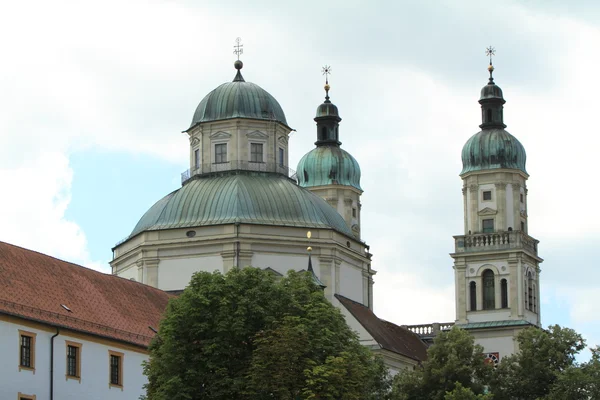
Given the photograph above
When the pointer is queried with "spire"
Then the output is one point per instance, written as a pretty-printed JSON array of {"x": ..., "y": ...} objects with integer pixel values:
[
  {"x": 326, "y": 71},
  {"x": 327, "y": 118},
  {"x": 238, "y": 64},
  {"x": 310, "y": 269},
  {"x": 491, "y": 100}
]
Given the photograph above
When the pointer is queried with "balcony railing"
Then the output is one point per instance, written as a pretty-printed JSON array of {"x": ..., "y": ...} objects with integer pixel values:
[
  {"x": 495, "y": 241},
  {"x": 428, "y": 330},
  {"x": 207, "y": 169}
]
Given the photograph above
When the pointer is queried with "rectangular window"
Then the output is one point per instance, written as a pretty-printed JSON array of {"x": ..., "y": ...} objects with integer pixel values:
[
  {"x": 221, "y": 153},
  {"x": 487, "y": 195},
  {"x": 523, "y": 226},
  {"x": 73, "y": 360},
  {"x": 26, "y": 350},
  {"x": 488, "y": 225},
  {"x": 281, "y": 154},
  {"x": 354, "y": 212},
  {"x": 115, "y": 368},
  {"x": 521, "y": 196},
  {"x": 197, "y": 158},
  {"x": 256, "y": 152},
  {"x": 22, "y": 396}
]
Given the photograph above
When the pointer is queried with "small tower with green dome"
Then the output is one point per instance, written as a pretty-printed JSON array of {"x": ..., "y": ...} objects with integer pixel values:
[
  {"x": 496, "y": 261},
  {"x": 328, "y": 170}
]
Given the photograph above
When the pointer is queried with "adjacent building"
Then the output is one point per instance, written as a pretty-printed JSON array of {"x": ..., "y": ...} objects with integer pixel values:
[{"x": 68, "y": 332}]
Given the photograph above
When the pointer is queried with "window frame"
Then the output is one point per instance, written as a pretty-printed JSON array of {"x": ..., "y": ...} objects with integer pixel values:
[
  {"x": 504, "y": 293},
  {"x": 111, "y": 354},
  {"x": 32, "y": 336},
  {"x": 78, "y": 346},
  {"x": 252, "y": 152},
  {"x": 483, "y": 194},
  {"x": 196, "y": 158},
  {"x": 23, "y": 396},
  {"x": 483, "y": 228},
  {"x": 472, "y": 296},
  {"x": 224, "y": 154},
  {"x": 281, "y": 153},
  {"x": 488, "y": 289}
]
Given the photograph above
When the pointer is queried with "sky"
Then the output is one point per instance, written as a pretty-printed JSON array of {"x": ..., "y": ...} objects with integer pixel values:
[{"x": 95, "y": 96}]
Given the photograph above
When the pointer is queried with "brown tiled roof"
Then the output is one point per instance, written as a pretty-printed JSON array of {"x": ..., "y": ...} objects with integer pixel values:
[
  {"x": 389, "y": 336},
  {"x": 35, "y": 286}
]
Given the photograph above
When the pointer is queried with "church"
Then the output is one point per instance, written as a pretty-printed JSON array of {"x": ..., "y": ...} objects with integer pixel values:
[{"x": 240, "y": 204}]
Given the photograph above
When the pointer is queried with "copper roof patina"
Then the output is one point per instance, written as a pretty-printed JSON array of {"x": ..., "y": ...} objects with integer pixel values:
[
  {"x": 238, "y": 99},
  {"x": 328, "y": 165},
  {"x": 251, "y": 198}
]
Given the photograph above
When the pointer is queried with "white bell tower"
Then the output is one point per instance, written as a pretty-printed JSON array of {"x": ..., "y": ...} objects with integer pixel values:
[{"x": 496, "y": 261}]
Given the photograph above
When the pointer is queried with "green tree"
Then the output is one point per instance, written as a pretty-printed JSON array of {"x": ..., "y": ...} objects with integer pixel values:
[
  {"x": 246, "y": 335},
  {"x": 462, "y": 393},
  {"x": 579, "y": 382},
  {"x": 454, "y": 362},
  {"x": 544, "y": 356}
]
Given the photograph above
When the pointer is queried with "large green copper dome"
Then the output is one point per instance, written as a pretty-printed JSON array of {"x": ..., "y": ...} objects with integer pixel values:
[
  {"x": 238, "y": 99},
  {"x": 265, "y": 199},
  {"x": 493, "y": 148},
  {"x": 328, "y": 165}
]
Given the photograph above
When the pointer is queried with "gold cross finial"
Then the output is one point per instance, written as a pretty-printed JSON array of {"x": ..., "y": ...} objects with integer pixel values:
[
  {"x": 326, "y": 71},
  {"x": 238, "y": 47}
]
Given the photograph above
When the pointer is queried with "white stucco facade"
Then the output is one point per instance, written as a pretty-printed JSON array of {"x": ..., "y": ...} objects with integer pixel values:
[{"x": 94, "y": 380}]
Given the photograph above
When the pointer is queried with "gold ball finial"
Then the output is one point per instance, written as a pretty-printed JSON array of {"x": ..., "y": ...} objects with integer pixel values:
[
  {"x": 327, "y": 87},
  {"x": 308, "y": 234},
  {"x": 491, "y": 68},
  {"x": 309, "y": 249}
]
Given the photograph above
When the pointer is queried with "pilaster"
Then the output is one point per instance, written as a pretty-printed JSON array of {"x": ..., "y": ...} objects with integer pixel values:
[{"x": 501, "y": 204}]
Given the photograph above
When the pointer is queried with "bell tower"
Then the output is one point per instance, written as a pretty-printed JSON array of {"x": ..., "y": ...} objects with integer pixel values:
[{"x": 496, "y": 262}]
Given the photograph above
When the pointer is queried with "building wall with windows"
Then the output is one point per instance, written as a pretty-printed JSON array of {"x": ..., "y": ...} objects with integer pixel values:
[{"x": 88, "y": 375}]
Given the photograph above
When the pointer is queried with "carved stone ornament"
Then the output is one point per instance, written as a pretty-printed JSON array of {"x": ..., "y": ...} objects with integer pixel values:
[
  {"x": 516, "y": 186},
  {"x": 501, "y": 185},
  {"x": 464, "y": 190},
  {"x": 347, "y": 201},
  {"x": 283, "y": 139},
  {"x": 473, "y": 188},
  {"x": 487, "y": 211},
  {"x": 220, "y": 135},
  {"x": 472, "y": 270},
  {"x": 194, "y": 141},
  {"x": 257, "y": 135}
]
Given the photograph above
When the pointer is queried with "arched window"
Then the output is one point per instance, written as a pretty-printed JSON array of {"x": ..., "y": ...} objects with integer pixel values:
[
  {"x": 472, "y": 296},
  {"x": 489, "y": 290},
  {"x": 489, "y": 115},
  {"x": 530, "y": 290},
  {"x": 504, "y": 293}
]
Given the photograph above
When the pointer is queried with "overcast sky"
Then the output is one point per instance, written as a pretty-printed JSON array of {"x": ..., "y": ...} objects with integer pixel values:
[{"x": 94, "y": 96}]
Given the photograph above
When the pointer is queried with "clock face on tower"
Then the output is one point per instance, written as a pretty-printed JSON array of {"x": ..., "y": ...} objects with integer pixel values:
[{"x": 492, "y": 358}]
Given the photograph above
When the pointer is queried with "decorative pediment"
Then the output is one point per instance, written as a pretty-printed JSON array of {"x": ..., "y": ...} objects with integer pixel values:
[
  {"x": 487, "y": 211},
  {"x": 194, "y": 141},
  {"x": 524, "y": 213},
  {"x": 283, "y": 139},
  {"x": 257, "y": 135},
  {"x": 220, "y": 135}
]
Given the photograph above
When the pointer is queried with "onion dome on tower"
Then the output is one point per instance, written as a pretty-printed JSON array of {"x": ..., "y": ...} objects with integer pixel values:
[
  {"x": 493, "y": 147},
  {"x": 328, "y": 163}
]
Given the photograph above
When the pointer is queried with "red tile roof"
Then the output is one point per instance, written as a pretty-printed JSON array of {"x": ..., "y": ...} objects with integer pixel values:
[
  {"x": 389, "y": 336},
  {"x": 34, "y": 286}
]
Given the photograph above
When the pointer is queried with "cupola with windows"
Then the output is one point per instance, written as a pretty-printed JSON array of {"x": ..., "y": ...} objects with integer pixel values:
[{"x": 330, "y": 171}]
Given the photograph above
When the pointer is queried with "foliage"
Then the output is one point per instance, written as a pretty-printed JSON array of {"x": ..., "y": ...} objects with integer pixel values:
[
  {"x": 543, "y": 357},
  {"x": 454, "y": 361},
  {"x": 462, "y": 393},
  {"x": 544, "y": 368},
  {"x": 246, "y": 335}
]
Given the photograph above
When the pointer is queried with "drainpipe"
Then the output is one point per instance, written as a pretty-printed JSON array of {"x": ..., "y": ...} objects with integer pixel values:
[{"x": 52, "y": 364}]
